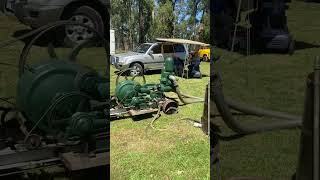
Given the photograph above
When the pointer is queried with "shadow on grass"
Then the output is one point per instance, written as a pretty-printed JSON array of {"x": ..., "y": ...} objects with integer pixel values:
[
  {"x": 135, "y": 118},
  {"x": 152, "y": 72},
  {"x": 142, "y": 117},
  {"x": 300, "y": 45}
]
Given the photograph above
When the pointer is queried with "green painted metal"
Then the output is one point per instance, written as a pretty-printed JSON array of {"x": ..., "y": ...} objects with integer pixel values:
[
  {"x": 141, "y": 96},
  {"x": 165, "y": 83},
  {"x": 126, "y": 90},
  {"x": 86, "y": 124},
  {"x": 53, "y": 90}
]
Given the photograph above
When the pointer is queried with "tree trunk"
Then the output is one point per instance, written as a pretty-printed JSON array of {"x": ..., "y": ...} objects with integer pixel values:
[
  {"x": 173, "y": 21},
  {"x": 129, "y": 6},
  {"x": 141, "y": 23}
]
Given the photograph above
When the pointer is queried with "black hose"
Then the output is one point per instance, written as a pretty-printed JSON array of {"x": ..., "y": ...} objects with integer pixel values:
[
  {"x": 241, "y": 129},
  {"x": 143, "y": 77},
  {"x": 76, "y": 50},
  {"x": 50, "y": 109},
  {"x": 31, "y": 33}
]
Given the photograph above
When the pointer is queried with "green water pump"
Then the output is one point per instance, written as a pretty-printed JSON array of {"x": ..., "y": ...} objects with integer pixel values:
[{"x": 134, "y": 95}]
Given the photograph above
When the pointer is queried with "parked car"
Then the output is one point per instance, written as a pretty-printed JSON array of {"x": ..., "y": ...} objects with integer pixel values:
[
  {"x": 204, "y": 53},
  {"x": 151, "y": 56},
  {"x": 36, "y": 13}
]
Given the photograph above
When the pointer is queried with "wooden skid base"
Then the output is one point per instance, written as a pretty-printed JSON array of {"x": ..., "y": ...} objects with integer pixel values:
[
  {"x": 140, "y": 112},
  {"x": 75, "y": 161}
]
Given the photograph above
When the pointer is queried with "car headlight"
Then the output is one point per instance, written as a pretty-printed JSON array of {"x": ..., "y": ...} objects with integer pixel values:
[
  {"x": 122, "y": 61},
  {"x": 114, "y": 59}
]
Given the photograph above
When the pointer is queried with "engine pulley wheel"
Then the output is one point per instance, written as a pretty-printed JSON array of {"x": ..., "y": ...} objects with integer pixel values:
[
  {"x": 125, "y": 74},
  {"x": 26, "y": 50}
]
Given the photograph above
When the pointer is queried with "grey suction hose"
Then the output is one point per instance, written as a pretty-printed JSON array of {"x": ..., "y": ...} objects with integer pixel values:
[
  {"x": 185, "y": 101},
  {"x": 182, "y": 96},
  {"x": 189, "y": 96},
  {"x": 259, "y": 111},
  {"x": 239, "y": 128}
]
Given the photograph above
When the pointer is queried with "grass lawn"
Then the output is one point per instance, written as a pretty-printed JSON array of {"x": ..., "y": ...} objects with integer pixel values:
[
  {"x": 277, "y": 82},
  {"x": 179, "y": 152}
]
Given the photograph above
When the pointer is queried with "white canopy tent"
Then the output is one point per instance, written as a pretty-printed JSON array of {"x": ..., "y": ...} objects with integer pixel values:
[{"x": 181, "y": 41}]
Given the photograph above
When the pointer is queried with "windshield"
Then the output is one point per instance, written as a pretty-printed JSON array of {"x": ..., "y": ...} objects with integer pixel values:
[{"x": 143, "y": 48}]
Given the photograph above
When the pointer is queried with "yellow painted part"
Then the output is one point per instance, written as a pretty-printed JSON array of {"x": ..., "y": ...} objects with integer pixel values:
[{"x": 204, "y": 51}]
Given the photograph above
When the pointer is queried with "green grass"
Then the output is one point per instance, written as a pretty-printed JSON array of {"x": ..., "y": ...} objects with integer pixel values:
[
  {"x": 277, "y": 82},
  {"x": 181, "y": 151}
]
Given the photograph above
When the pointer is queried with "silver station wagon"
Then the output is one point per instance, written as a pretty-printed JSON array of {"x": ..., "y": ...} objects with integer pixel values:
[{"x": 151, "y": 56}]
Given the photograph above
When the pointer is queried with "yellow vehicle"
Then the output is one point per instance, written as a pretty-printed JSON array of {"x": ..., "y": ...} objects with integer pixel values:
[{"x": 204, "y": 53}]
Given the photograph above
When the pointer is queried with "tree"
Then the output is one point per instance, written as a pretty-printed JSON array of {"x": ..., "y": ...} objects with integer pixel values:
[
  {"x": 139, "y": 21},
  {"x": 164, "y": 19},
  {"x": 145, "y": 19}
]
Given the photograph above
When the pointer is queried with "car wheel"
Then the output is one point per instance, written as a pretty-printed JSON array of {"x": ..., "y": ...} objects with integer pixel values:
[
  {"x": 74, "y": 35},
  {"x": 137, "y": 69}
]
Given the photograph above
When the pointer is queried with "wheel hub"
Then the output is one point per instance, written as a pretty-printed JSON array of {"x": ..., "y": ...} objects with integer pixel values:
[
  {"x": 78, "y": 34},
  {"x": 135, "y": 71}
]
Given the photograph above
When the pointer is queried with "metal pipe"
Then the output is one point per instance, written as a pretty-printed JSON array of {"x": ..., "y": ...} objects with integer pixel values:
[
  {"x": 205, "y": 114},
  {"x": 305, "y": 163},
  {"x": 316, "y": 119},
  {"x": 239, "y": 128}
]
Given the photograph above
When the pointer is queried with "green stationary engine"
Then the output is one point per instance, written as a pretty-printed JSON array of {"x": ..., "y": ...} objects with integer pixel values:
[
  {"x": 54, "y": 92},
  {"x": 61, "y": 114},
  {"x": 134, "y": 95}
]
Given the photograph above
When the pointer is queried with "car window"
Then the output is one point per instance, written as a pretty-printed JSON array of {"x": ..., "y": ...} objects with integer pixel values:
[
  {"x": 143, "y": 48},
  {"x": 156, "y": 49},
  {"x": 167, "y": 48},
  {"x": 179, "y": 48}
]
